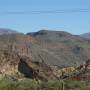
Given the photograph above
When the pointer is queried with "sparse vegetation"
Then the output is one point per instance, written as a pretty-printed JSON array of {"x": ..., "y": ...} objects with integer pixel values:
[{"x": 28, "y": 84}]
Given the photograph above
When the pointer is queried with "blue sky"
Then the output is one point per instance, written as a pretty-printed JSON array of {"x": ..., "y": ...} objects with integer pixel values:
[{"x": 75, "y": 23}]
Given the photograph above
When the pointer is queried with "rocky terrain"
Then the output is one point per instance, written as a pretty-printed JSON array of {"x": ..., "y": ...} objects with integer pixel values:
[{"x": 43, "y": 55}]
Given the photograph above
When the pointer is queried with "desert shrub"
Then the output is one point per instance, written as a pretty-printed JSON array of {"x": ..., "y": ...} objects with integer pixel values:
[
  {"x": 28, "y": 84},
  {"x": 7, "y": 84},
  {"x": 51, "y": 85},
  {"x": 73, "y": 84}
]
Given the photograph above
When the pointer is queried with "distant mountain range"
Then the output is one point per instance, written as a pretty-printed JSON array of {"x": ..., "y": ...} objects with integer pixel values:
[
  {"x": 42, "y": 33},
  {"x": 7, "y": 31},
  {"x": 86, "y": 35}
]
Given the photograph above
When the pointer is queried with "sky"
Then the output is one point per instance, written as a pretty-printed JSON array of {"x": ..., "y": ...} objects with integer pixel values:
[{"x": 75, "y": 23}]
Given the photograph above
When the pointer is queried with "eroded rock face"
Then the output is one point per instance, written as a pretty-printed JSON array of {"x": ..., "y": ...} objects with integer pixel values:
[
  {"x": 35, "y": 70},
  {"x": 8, "y": 63},
  {"x": 14, "y": 65},
  {"x": 24, "y": 68}
]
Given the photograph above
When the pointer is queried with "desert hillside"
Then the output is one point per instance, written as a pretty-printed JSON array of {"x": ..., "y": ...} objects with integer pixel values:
[{"x": 43, "y": 55}]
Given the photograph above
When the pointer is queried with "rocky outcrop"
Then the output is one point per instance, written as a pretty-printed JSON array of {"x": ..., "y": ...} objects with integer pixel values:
[{"x": 8, "y": 63}]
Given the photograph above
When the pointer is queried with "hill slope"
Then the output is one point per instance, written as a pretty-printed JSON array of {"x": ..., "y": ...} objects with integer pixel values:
[
  {"x": 86, "y": 35},
  {"x": 61, "y": 48}
]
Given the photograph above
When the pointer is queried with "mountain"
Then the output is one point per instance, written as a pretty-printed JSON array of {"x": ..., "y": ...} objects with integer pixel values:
[
  {"x": 7, "y": 31},
  {"x": 86, "y": 35},
  {"x": 40, "y": 54},
  {"x": 61, "y": 48}
]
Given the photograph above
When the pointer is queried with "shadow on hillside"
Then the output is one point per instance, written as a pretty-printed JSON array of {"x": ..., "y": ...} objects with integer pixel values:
[{"x": 25, "y": 69}]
